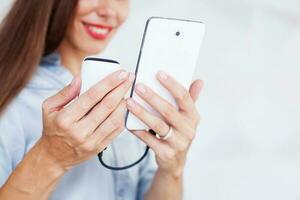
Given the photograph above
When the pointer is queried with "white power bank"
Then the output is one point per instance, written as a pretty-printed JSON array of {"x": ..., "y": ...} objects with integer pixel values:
[
  {"x": 171, "y": 45},
  {"x": 95, "y": 69}
]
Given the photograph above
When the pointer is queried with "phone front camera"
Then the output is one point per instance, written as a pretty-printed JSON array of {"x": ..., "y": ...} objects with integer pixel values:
[{"x": 177, "y": 33}]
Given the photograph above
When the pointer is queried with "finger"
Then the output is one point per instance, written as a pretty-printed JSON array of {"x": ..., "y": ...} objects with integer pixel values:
[
  {"x": 153, "y": 122},
  {"x": 178, "y": 91},
  {"x": 92, "y": 146},
  {"x": 195, "y": 89},
  {"x": 156, "y": 124},
  {"x": 167, "y": 110},
  {"x": 109, "y": 127},
  {"x": 104, "y": 108},
  {"x": 63, "y": 97},
  {"x": 91, "y": 97},
  {"x": 110, "y": 137},
  {"x": 108, "y": 140},
  {"x": 155, "y": 144}
]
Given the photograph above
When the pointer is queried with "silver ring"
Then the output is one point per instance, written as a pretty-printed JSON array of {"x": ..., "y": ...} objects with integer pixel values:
[{"x": 167, "y": 136}]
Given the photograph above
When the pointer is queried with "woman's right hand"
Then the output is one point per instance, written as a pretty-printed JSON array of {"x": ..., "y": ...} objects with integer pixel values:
[{"x": 83, "y": 128}]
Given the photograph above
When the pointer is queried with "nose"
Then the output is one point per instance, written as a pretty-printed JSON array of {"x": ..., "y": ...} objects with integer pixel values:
[{"x": 106, "y": 9}]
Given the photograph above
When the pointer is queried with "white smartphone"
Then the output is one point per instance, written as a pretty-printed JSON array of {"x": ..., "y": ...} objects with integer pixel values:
[
  {"x": 171, "y": 45},
  {"x": 95, "y": 69}
]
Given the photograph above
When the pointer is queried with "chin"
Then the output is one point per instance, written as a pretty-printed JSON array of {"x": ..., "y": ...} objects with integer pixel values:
[
  {"x": 94, "y": 49},
  {"x": 92, "y": 46}
]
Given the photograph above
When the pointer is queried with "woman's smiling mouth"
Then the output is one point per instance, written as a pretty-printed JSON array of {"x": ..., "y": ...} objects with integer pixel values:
[{"x": 97, "y": 31}]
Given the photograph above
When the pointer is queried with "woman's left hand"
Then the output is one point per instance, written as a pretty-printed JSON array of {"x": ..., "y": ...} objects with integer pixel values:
[{"x": 182, "y": 121}]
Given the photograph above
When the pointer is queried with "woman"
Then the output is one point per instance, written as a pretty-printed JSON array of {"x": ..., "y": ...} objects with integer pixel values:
[{"x": 50, "y": 135}]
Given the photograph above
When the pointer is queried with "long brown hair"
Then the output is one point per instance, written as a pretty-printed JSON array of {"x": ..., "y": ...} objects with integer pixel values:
[{"x": 31, "y": 29}]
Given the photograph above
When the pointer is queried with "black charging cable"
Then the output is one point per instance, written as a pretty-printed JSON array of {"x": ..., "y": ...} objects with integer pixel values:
[
  {"x": 125, "y": 167},
  {"x": 100, "y": 155}
]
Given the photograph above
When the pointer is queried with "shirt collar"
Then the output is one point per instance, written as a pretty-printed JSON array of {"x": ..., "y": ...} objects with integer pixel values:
[
  {"x": 50, "y": 74},
  {"x": 51, "y": 60}
]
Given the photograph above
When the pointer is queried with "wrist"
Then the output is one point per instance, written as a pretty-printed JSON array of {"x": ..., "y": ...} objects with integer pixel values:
[
  {"x": 36, "y": 175},
  {"x": 48, "y": 159},
  {"x": 170, "y": 174}
]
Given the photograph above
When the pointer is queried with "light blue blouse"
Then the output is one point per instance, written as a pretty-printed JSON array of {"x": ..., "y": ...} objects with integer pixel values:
[{"x": 21, "y": 127}]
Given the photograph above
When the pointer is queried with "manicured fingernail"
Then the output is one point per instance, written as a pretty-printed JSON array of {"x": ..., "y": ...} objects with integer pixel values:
[
  {"x": 162, "y": 75},
  {"x": 131, "y": 77},
  {"x": 141, "y": 88},
  {"x": 123, "y": 75},
  {"x": 130, "y": 103}
]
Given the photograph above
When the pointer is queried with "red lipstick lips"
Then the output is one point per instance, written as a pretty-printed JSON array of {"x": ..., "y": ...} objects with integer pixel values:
[{"x": 97, "y": 31}]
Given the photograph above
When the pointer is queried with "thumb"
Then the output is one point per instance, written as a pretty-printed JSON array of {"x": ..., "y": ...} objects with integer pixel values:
[
  {"x": 64, "y": 96},
  {"x": 195, "y": 89}
]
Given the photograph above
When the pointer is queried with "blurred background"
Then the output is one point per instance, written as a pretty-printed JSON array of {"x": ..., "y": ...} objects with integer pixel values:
[{"x": 248, "y": 143}]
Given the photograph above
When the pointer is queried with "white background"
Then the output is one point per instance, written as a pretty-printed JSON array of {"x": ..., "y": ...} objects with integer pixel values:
[{"x": 248, "y": 144}]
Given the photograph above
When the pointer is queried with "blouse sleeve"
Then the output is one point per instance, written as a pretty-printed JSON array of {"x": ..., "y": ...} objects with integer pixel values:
[{"x": 12, "y": 143}]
